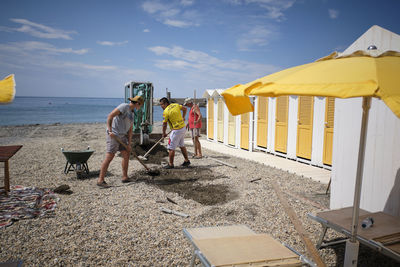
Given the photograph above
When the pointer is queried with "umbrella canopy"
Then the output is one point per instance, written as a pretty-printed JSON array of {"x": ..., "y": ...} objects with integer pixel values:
[
  {"x": 362, "y": 73},
  {"x": 7, "y": 89}
]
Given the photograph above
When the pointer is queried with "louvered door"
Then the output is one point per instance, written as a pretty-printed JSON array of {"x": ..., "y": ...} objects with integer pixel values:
[
  {"x": 328, "y": 131},
  {"x": 305, "y": 127},
  {"x": 281, "y": 125},
  {"x": 262, "y": 121}
]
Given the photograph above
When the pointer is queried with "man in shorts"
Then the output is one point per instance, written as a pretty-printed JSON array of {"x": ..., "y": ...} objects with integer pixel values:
[
  {"x": 119, "y": 124},
  {"x": 194, "y": 125},
  {"x": 172, "y": 115}
]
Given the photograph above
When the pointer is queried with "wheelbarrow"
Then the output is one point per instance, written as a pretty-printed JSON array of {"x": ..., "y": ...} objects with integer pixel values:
[{"x": 77, "y": 161}]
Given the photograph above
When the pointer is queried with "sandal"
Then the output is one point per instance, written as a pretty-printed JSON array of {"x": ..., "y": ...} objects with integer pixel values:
[
  {"x": 126, "y": 181},
  {"x": 103, "y": 185}
]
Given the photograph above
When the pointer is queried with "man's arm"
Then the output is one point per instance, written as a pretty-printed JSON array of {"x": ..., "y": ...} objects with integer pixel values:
[
  {"x": 164, "y": 129},
  {"x": 184, "y": 110},
  {"x": 197, "y": 111},
  {"x": 130, "y": 137},
  {"x": 110, "y": 118}
]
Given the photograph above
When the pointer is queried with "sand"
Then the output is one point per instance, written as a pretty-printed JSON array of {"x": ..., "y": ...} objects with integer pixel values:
[{"x": 124, "y": 226}]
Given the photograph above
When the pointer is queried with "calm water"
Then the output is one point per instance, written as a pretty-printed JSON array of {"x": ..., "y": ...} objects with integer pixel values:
[{"x": 49, "y": 110}]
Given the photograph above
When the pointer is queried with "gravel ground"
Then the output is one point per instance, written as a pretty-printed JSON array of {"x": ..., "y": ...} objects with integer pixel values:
[{"x": 123, "y": 225}]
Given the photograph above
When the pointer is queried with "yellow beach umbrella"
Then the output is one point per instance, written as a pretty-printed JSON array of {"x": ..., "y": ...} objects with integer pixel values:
[
  {"x": 366, "y": 74},
  {"x": 7, "y": 89},
  {"x": 362, "y": 73}
]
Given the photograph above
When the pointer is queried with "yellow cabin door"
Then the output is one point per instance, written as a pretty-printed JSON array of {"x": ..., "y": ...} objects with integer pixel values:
[
  {"x": 220, "y": 130},
  {"x": 210, "y": 118},
  {"x": 231, "y": 129},
  {"x": 281, "y": 125},
  {"x": 262, "y": 121},
  {"x": 305, "y": 127},
  {"x": 328, "y": 131},
  {"x": 244, "y": 131}
]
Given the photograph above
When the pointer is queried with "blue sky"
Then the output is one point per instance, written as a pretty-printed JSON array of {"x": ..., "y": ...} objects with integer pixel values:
[{"x": 91, "y": 48}]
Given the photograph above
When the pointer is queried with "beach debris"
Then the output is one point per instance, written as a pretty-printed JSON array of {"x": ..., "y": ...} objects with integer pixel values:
[
  {"x": 62, "y": 189},
  {"x": 168, "y": 211},
  {"x": 220, "y": 161},
  {"x": 254, "y": 180},
  {"x": 172, "y": 201},
  {"x": 26, "y": 203},
  {"x": 298, "y": 226}
]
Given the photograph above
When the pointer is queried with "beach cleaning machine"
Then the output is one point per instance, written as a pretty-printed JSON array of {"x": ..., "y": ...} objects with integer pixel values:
[{"x": 143, "y": 123}]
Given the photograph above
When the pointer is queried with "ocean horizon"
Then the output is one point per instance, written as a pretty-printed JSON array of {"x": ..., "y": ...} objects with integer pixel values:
[{"x": 26, "y": 110}]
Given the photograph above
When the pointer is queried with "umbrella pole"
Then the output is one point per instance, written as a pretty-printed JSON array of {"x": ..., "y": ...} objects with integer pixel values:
[{"x": 352, "y": 245}]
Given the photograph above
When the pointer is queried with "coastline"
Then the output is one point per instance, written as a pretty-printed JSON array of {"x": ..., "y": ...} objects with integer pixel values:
[{"x": 123, "y": 225}]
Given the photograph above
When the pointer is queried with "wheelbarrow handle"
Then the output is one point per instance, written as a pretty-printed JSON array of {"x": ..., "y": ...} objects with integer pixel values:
[{"x": 132, "y": 152}]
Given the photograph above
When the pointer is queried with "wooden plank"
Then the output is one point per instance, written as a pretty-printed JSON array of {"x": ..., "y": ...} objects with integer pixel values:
[
  {"x": 298, "y": 226},
  {"x": 219, "y": 231},
  {"x": 236, "y": 250}
]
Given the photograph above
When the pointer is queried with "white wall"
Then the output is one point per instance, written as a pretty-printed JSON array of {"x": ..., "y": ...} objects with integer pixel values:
[
  {"x": 215, "y": 119},
  {"x": 317, "y": 151},
  {"x": 271, "y": 124},
  {"x": 292, "y": 127},
  {"x": 381, "y": 180},
  {"x": 226, "y": 123}
]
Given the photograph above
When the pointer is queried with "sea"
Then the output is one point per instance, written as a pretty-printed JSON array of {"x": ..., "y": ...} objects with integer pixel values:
[{"x": 51, "y": 110}]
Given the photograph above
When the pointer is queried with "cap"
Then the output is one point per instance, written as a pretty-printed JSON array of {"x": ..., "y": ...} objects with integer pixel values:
[
  {"x": 187, "y": 100},
  {"x": 137, "y": 98}
]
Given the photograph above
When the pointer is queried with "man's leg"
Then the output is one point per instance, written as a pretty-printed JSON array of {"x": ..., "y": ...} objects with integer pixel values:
[
  {"x": 195, "y": 146},
  {"x": 104, "y": 167},
  {"x": 171, "y": 156},
  {"x": 198, "y": 147},
  {"x": 125, "y": 164},
  {"x": 184, "y": 152}
]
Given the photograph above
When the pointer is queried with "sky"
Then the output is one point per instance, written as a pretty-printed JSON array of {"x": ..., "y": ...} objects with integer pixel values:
[{"x": 91, "y": 48}]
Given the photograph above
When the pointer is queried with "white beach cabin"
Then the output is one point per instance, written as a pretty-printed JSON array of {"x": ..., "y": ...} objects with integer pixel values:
[{"x": 381, "y": 180}]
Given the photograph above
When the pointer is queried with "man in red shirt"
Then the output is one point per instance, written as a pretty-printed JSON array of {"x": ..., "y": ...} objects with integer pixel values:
[{"x": 194, "y": 125}]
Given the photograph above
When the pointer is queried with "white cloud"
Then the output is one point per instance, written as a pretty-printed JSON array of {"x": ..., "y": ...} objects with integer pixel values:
[
  {"x": 108, "y": 43},
  {"x": 146, "y": 30},
  {"x": 257, "y": 36},
  {"x": 39, "y": 30},
  {"x": 187, "y": 2},
  {"x": 192, "y": 63},
  {"x": 42, "y": 57},
  {"x": 40, "y": 47},
  {"x": 333, "y": 13},
  {"x": 173, "y": 14},
  {"x": 275, "y": 8},
  {"x": 153, "y": 7},
  {"x": 177, "y": 23}
]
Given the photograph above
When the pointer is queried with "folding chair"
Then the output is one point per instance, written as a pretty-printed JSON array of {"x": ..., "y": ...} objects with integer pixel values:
[{"x": 383, "y": 236}]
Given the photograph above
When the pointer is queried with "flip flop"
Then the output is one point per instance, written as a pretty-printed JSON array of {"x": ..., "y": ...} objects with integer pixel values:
[{"x": 103, "y": 185}]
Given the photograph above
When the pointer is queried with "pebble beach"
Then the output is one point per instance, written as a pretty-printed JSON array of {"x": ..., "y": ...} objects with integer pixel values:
[{"x": 124, "y": 226}]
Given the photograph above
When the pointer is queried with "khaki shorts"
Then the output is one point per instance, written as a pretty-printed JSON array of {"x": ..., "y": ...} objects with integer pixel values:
[
  {"x": 195, "y": 132},
  {"x": 113, "y": 146}
]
